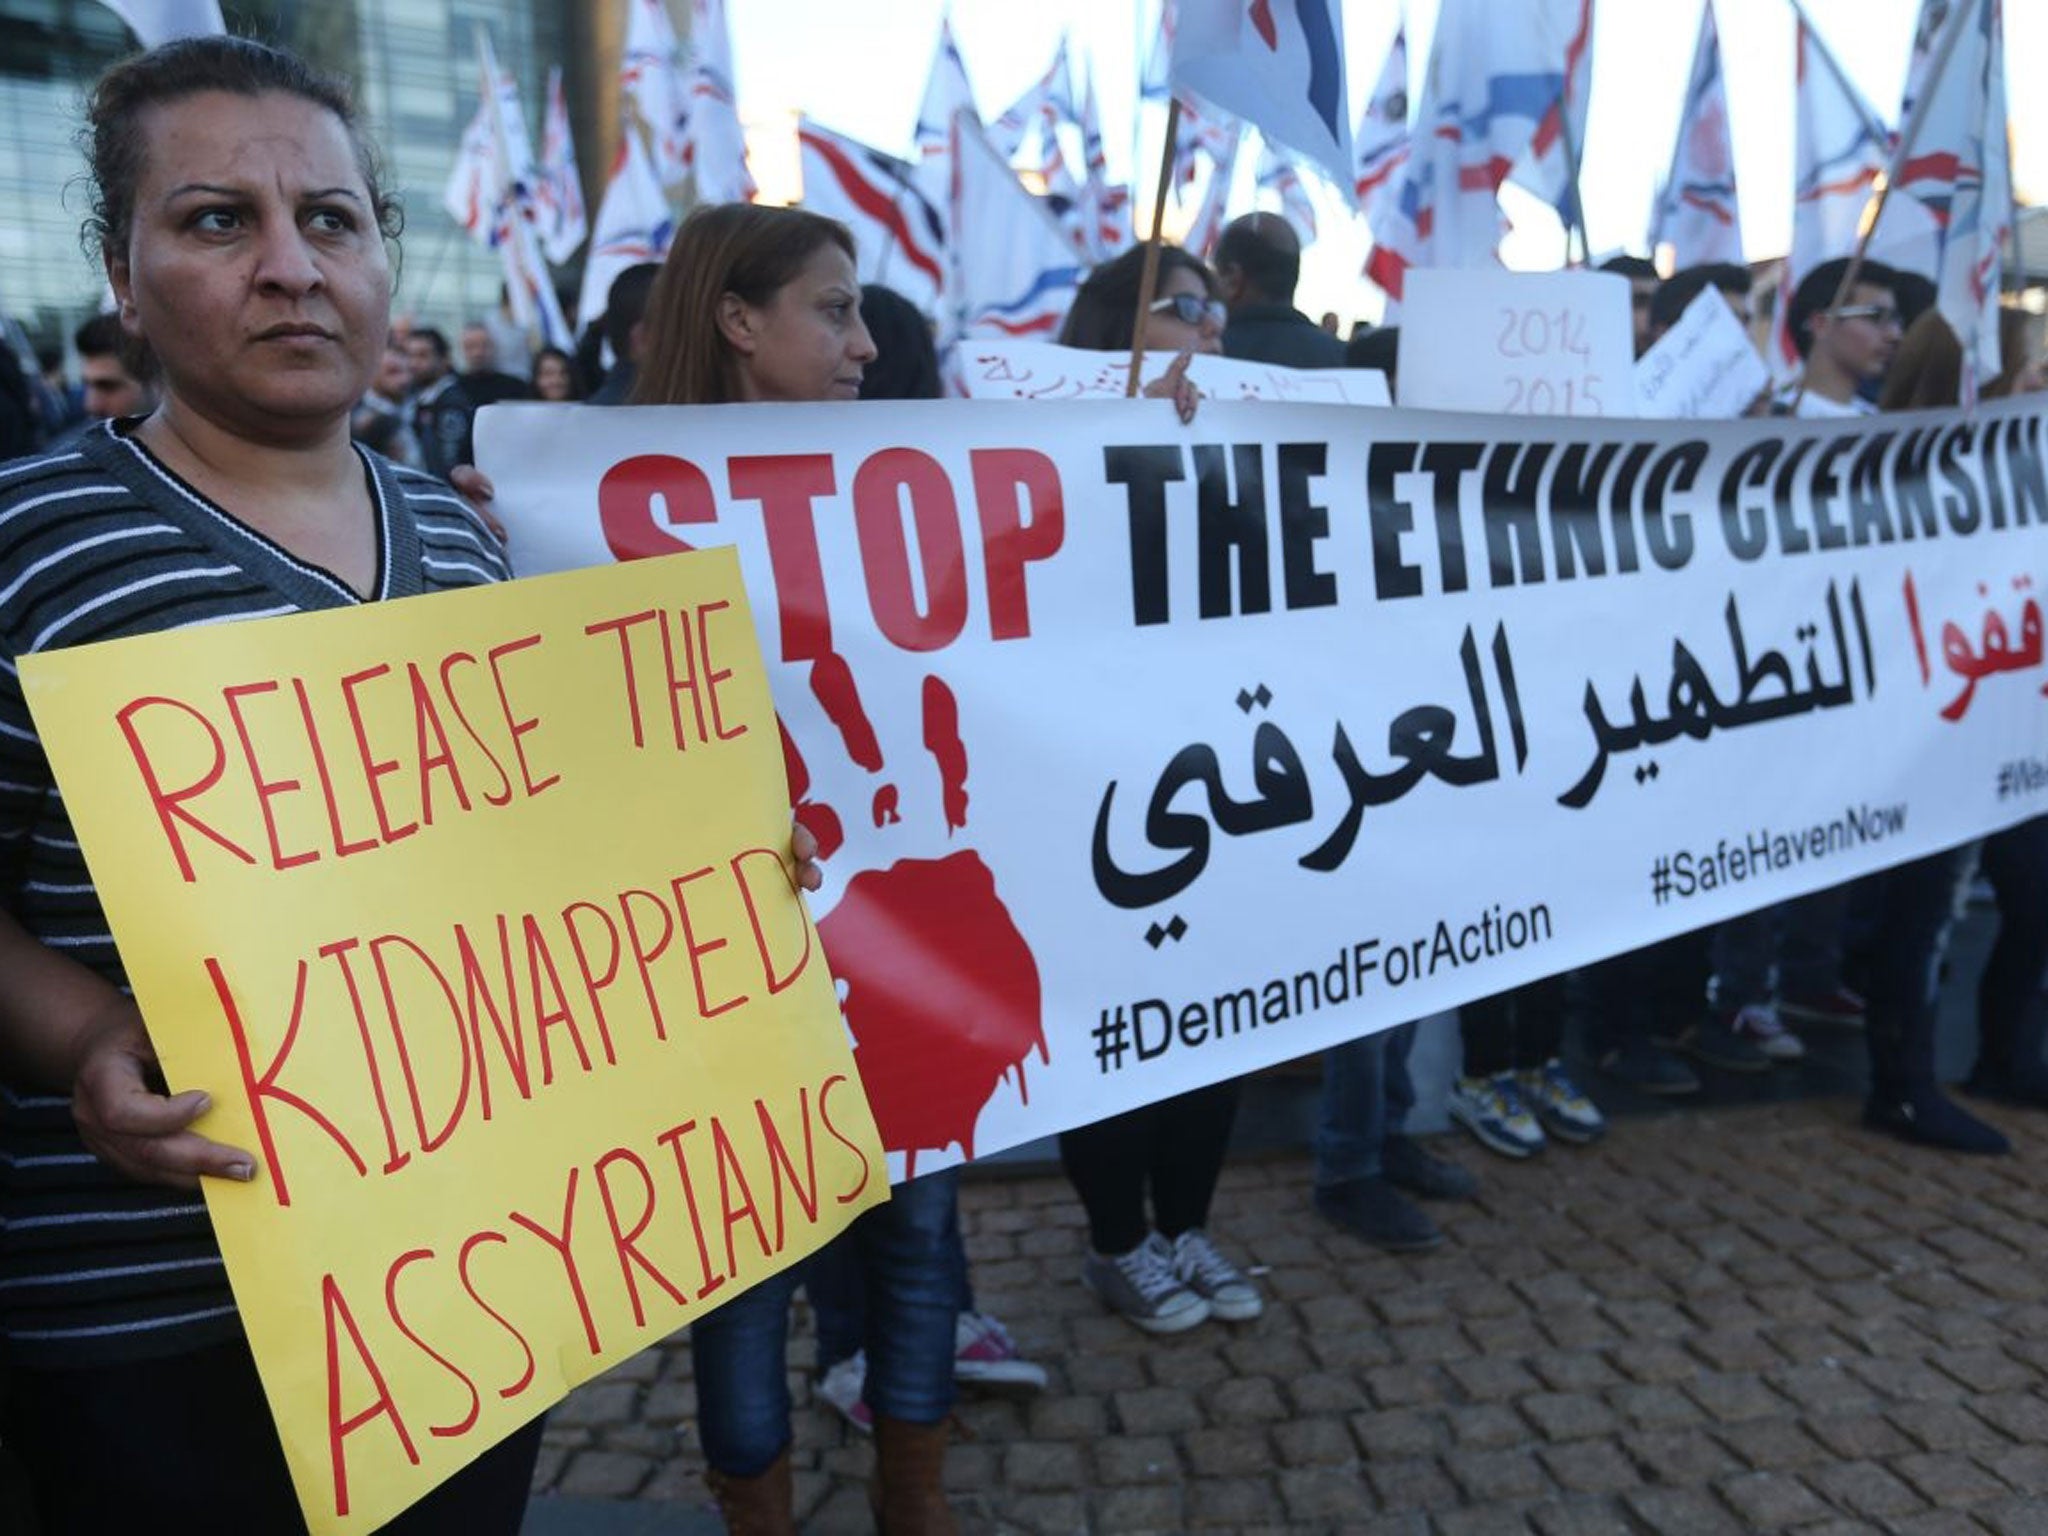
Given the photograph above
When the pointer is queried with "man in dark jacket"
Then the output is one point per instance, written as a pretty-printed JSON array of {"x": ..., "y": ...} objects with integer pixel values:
[{"x": 1258, "y": 262}]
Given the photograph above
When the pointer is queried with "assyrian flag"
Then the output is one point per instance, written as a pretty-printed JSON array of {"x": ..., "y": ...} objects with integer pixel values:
[
  {"x": 1956, "y": 178},
  {"x": 717, "y": 147},
  {"x": 559, "y": 188},
  {"x": 1563, "y": 33},
  {"x": 1840, "y": 147},
  {"x": 1277, "y": 175},
  {"x": 471, "y": 195},
  {"x": 1013, "y": 271},
  {"x": 1050, "y": 99},
  {"x": 651, "y": 87},
  {"x": 1381, "y": 143},
  {"x": 1214, "y": 211},
  {"x": 162, "y": 21},
  {"x": 946, "y": 92},
  {"x": 1276, "y": 64},
  {"x": 1155, "y": 79},
  {"x": 1492, "y": 80},
  {"x": 1696, "y": 213},
  {"x": 900, "y": 236},
  {"x": 1106, "y": 208},
  {"x": 1204, "y": 132},
  {"x": 515, "y": 232},
  {"x": 634, "y": 225}
]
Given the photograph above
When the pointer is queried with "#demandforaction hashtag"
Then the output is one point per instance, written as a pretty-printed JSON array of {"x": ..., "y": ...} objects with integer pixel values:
[
  {"x": 1694, "y": 872},
  {"x": 1147, "y": 1029}
]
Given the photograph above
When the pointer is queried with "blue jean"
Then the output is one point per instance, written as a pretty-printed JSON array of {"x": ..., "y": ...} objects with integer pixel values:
[
  {"x": 837, "y": 1284},
  {"x": 1367, "y": 1094},
  {"x": 913, "y": 1286}
]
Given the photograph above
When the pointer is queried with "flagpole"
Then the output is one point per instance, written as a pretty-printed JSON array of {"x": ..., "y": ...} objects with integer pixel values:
[
  {"x": 1571, "y": 169},
  {"x": 1909, "y": 135},
  {"x": 1149, "y": 278}
]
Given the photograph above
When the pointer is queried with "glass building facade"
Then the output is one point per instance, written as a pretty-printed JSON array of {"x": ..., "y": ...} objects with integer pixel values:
[{"x": 414, "y": 67}]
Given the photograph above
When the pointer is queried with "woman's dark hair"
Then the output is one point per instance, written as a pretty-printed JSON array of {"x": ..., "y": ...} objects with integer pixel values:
[
  {"x": 115, "y": 141},
  {"x": 745, "y": 249},
  {"x": 1927, "y": 370},
  {"x": 906, "y": 365},
  {"x": 1105, "y": 311},
  {"x": 568, "y": 366}
]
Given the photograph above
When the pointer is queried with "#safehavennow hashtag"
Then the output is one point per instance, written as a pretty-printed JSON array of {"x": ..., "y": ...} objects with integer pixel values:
[
  {"x": 1687, "y": 872},
  {"x": 1147, "y": 1029}
]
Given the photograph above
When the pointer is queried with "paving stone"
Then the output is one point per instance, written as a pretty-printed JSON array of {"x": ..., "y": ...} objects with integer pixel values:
[
  {"x": 2023, "y": 1416},
  {"x": 1232, "y": 1503},
  {"x": 1244, "y": 1400},
  {"x": 605, "y": 1475},
  {"x": 1493, "y": 1475},
  {"x": 1240, "y": 1451},
  {"x": 1486, "y": 1520},
  {"x": 1772, "y": 1445},
  {"x": 1729, "y": 1398},
  {"x": 1659, "y": 1407},
  {"x": 1946, "y": 1479},
  {"x": 1771, "y": 1501},
  {"x": 1326, "y": 1493},
  {"x": 1415, "y": 1482},
  {"x": 1589, "y": 1466},
  {"x": 1567, "y": 1415},
  {"x": 1945, "y": 1427},
  {"x": 1681, "y": 1512},
  {"x": 1035, "y": 1465},
  {"x": 1936, "y": 1522},
  {"x": 1486, "y": 1426},
  {"x": 1681, "y": 1457},
  {"x": 1155, "y": 1411},
  {"x": 1866, "y": 1489},
  {"x": 1399, "y": 1432}
]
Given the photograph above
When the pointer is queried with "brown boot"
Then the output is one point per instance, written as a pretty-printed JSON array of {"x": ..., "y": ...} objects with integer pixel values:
[
  {"x": 761, "y": 1505},
  {"x": 909, "y": 1491}
]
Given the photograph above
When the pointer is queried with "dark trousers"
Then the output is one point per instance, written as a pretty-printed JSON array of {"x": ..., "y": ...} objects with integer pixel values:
[
  {"x": 1173, "y": 1149},
  {"x": 1656, "y": 992},
  {"x": 185, "y": 1444},
  {"x": 1912, "y": 907},
  {"x": 1513, "y": 1030},
  {"x": 2011, "y": 1008}
]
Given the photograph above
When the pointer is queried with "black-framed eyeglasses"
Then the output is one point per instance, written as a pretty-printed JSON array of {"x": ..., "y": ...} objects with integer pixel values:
[
  {"x": 1189, "y": 310},
  {"x": 1881, "y": 315}
]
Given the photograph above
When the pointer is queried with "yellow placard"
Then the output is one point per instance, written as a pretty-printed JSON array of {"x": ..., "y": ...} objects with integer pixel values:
[{"x": 473, "y": 915}]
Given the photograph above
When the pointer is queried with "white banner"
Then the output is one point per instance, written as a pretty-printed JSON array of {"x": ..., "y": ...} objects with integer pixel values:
[
  {"x": 1146, "y": 754},
  {"x": 1037, "y": 370}
]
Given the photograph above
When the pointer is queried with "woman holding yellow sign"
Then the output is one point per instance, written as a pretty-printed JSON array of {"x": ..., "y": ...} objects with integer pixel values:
[{"x": 244, "y": 231}]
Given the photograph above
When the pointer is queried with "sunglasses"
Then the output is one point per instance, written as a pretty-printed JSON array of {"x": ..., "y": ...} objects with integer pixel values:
[
  {"x": 1881, "y": 314},
  {"x": 1189, "y": 310}
]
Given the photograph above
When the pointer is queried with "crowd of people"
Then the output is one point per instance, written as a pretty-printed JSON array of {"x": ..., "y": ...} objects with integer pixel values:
[{"x": 250, "y": 404}]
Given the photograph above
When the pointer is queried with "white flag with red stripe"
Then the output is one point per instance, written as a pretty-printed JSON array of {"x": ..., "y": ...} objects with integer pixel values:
[
  {"x": 1696, "y": 213},
  {"x": 559, "y": 187},
  {"x": 634, "y": 225},
  {"x": 651, "y": 87},
  {"x": 1013, "y": 272},
  {"x": 899, "y": 234},
  {"x": 717, "y": 146}
]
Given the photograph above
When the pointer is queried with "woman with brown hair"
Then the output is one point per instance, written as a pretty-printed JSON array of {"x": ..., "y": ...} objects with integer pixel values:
[{"x": 759, "y": 304}]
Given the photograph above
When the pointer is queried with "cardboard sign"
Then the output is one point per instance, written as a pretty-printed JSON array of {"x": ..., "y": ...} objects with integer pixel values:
[
  {"x": 472, "y": 914},
  {"x": 1517, "y": 343},
  {"x": 1705, "y": 368},
  {"x": 1034, "y": 370}
]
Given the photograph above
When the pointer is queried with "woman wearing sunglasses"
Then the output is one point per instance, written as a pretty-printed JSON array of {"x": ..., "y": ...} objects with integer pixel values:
[
  {"x": 1185, "y": 318},
  {"x": 1158, "y": 1270}
]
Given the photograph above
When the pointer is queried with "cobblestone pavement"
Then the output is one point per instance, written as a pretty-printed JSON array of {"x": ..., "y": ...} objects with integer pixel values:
[{"x": 1761, "y": 1319}]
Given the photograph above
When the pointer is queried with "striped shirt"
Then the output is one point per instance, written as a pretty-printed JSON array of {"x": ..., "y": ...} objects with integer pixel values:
[{"x": 98, "y": 542}]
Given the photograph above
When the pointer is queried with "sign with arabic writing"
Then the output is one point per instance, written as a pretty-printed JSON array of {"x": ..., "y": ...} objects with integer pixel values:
[
  {"x": 1146, "y": 754},
  {"x": 472, "y": 914},
  {"x": 1037, "y": 370}
]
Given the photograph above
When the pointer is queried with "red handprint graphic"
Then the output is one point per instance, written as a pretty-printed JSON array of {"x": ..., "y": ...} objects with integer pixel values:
[{"x": 941, "y": 990}]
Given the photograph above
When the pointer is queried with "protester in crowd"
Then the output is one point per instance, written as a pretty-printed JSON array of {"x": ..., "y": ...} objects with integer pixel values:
[
  {"x": 118, "y": 374},
  {"x": 62, "y": 404},
  {"x": 1161, "y": 1272},
  {"x": 625, "y": 308},
  {"x": 21, "y": 428},
  {"x": 1635, "y": 1011},
  {"x": 511, "y": 346},
  {"x": 443, "y": 414},
  {"x": 1642, "y": 288},
  {"x": 1675, "y": 294},
  {"x": 242, "y": 225},
  {"x": 1331, "y": 324},
  {"x": 1846, "y": 346},
  {"x": 1366, "y": 1165},
  {"x": 554, "y": 376},
  {"x": 1912, "y": 906},
  {"x": 757, "y": 303},
  {"x": 382, "y": 418},
  {"x": 905, "y": 367},
  {"x": 482, "y": 379},
  {"x": 1258, "y": 264},
  {"x": 1514, "y": 1092},
  {"x": 1377, "y": 347}
]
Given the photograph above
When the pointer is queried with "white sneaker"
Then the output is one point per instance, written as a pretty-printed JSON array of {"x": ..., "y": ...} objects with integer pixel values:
[
  {"x": 844, "y": 1387},
  {"x": 1142, "y": 1286},
  {"x": 1759, "y": 1024},
  {"x": 1204, "y": 1270}
]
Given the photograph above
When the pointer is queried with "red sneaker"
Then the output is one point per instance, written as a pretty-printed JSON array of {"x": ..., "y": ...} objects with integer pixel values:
[{"x": 1841, "y": 1007}]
